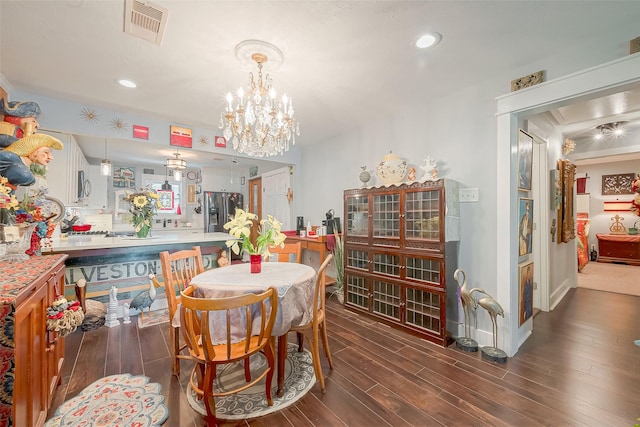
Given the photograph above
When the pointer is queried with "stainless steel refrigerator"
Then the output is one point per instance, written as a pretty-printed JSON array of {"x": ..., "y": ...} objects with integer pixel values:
[{"x": 218, "y": 206}]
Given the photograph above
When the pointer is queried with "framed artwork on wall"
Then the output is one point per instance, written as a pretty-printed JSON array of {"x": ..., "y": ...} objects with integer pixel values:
[
  {"x": 180, "y": 136},
  {"x": 525, "y": 160},
  {"x": 525, "y": 291},
  {"x": 617, "y": 184},
  {"x": 554, "y": 189},
  {"x": 525, "y": 227},
  {"x": 165, "y": 201},
  {"x": 566, "y": 224},
  {"x": 124, "y": 177},
  {"x": 191, "y": 194}
]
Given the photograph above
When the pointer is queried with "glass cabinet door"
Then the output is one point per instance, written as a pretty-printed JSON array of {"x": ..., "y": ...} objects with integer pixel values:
[
  {"x": 386, "y": 215},
  {"x": 422, "y": 215},
  {"x": 357, "y": 221}
]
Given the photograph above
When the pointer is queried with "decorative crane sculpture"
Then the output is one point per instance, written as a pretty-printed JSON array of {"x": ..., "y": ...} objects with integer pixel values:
[
  {"x": 469, "y": 305},
  {"x": 494, "y": 309},
  {"x": 144, "y": 299}
]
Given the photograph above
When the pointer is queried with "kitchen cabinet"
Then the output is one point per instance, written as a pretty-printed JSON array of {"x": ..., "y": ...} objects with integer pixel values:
[
  {"x": 97, "y": 197},
  {"x": 221, "y": 179},
  {"x": 68, "y": 172},
  {"x": 400, "y": 252},
  {"x": 33, "y": 355}
]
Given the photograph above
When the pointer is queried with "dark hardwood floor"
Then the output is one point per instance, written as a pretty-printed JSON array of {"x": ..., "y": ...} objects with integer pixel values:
[{"x": 579, "y": 368}]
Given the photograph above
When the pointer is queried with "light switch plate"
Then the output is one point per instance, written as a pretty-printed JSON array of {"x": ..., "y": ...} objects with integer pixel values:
[{"x": 468, "y": 195}]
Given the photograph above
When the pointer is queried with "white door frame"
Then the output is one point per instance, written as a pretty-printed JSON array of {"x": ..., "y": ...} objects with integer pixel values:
[
  {"x": 604, "y": 79},
  {"x": 540, "y": 186}
]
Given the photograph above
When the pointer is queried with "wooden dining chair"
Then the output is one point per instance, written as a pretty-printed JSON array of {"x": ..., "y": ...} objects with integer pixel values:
[
  {"x": 287, "y": 251},
  {"x": 197, "y": 317},
  {"x": 316, "y": 329},
  {"x": 178, "y": 269}
]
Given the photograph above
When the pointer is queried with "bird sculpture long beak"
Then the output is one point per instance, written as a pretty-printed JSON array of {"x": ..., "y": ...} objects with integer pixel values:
[{"x": 155, "y": 281}]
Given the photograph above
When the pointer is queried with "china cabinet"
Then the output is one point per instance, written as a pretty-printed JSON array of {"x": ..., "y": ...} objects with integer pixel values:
[{"x": 400, "y": 254}]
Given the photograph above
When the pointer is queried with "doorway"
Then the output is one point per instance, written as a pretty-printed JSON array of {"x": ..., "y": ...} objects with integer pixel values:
[
  {"x": 613, "y": 77},
  {"x": 273, "y": 197},
  {"x": 255, "y": 197}
]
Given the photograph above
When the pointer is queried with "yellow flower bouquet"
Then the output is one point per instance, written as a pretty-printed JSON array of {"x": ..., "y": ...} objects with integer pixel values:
[{"x": 144, "y": 205}]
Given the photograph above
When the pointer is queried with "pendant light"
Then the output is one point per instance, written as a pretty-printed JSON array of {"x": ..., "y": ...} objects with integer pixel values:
[
  {"x": 166, "y": 185},
  {"x": 177, "y": 164},
  {"x": 105, "y": 165}
]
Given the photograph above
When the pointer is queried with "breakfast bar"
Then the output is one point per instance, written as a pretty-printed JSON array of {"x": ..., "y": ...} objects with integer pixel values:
[{"x": 127, "y": 261}]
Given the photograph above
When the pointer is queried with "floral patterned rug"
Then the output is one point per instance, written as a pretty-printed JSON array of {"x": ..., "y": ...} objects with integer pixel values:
[
  {"x": 298, "y": 380},
  {"x": 116, "y": 400}
]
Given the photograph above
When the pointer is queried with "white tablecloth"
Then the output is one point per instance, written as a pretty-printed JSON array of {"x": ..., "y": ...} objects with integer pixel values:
[{"x": 293, "y": 281}]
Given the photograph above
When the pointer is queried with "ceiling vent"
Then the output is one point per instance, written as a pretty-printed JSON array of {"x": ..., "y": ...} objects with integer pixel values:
[{"x": 145, "y": 20}]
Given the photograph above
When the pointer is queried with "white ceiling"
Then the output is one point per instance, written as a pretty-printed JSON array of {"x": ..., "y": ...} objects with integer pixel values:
[{"x": 345, "y": 62}]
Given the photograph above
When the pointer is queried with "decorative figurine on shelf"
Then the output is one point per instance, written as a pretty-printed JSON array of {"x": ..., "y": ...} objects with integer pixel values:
[
  {"x": 430, "y": 170},
  {"x": 365, "y": 176},
  {"x": 112, "y": 308},
  {"x": 222, "y": 258},
  {"x": 126, "y": 313},
  {"x": 19, "y": 120},
  {"x": 412, "y": 174}
]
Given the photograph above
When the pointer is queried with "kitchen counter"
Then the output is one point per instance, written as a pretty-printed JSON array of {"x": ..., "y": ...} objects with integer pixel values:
[
  {"x": 76, "y": 243},
  {"x": 126, "y": 262}
]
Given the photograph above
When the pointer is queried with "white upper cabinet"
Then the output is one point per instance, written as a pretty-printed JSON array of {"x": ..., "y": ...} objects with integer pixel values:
[{"x": 68, "y": 173}]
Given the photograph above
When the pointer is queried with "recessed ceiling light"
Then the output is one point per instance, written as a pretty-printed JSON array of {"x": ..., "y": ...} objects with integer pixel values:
[
  {"x": 127, "y": 83},
  {"x": 428, "y": 40}
]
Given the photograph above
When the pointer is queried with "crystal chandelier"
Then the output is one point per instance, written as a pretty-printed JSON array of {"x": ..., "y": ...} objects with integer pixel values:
[{"x": 255, "y": 121}]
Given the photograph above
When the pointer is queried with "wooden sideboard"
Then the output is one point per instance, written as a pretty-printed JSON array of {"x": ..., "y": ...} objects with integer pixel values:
[
  {"x": 619, "y": 248},
  {"x": 31, "y": 355},
  {"x": 317, "y": 244}
]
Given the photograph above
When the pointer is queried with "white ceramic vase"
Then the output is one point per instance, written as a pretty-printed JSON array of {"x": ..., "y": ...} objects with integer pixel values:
[{"x": 392, "y": 169}]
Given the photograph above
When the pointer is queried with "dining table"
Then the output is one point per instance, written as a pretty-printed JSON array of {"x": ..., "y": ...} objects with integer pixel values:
[{"x": 294, "y": 283}]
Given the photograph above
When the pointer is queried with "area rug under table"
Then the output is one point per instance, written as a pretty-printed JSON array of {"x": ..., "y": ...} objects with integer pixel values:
[
  {"x": 250, "y": 403},
  {"x": 117, "y": 400}
]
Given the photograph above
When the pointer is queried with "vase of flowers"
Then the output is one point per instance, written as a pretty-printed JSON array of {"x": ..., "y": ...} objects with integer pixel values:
[
  {"x": 269, "y": 234},
  {"x": 144, "y": 205}
]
